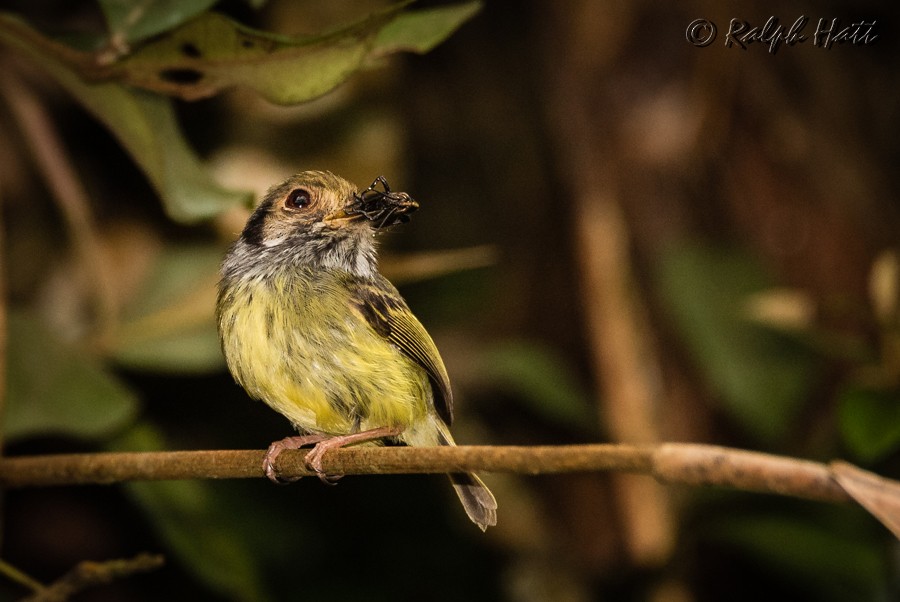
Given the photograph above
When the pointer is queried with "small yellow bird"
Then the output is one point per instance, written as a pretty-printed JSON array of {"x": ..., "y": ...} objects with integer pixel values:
[{"x": 309, "y": 326}]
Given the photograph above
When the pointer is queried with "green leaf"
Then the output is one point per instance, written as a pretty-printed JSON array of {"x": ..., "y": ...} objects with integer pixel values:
[
  {"x": 160, "y": 149},
  {"x": 202, "y": 57},
  {"x": 870, "y": 422},
  {"x": 761, "y": 377},
  {"x": 135, "y": 20},
  {"x": 540, "y": 379},
  {"x": 55, "y": 389},
  {"x": 212, "y": 53},
  {"x": 420, "y": 31},
  {"x": 172, "y": 327},
  {"x": 145, "y": 124},
  {"x": 188, "y": 516}
]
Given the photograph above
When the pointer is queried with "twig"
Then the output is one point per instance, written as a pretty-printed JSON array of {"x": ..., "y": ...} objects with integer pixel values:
[
  {"x": 18, "y": 576},
  {"x": 51, "y": 159},
  {"x": 90, "y": 574},
  {"x": 670, "y": 463}
]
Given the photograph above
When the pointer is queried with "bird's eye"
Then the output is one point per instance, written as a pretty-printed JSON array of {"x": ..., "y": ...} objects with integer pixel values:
[{"x": 297, "y": 199}]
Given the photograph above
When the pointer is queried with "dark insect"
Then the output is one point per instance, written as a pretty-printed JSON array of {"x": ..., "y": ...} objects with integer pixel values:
[{"x": 383, "y": 207}]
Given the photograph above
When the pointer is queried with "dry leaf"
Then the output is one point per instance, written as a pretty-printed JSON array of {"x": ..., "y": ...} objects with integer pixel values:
[{"x": 880, "y": 496}]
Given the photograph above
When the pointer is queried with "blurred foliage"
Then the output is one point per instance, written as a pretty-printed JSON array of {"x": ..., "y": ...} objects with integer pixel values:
[
  {"x": 170, "y": 327},
  {"x": 870, "y": 422},
  {"x": 540, "y": 380},
  {"x": 761, "y": 376},
  {"x": 202, "y": 57},
  {"x": 145, "y": 124},
  {"x": 54, "y": 389},
  {"x": 825, "y": 557},
  {"x": 166, "y": 320},
  {"x": 759, "y": 194},
  {"x": 136, "y": 21},
  {"x": 195, "y": 524}
]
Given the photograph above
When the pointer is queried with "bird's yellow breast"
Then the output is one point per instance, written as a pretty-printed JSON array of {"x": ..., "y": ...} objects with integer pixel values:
[{"x": 301, "y": 346}]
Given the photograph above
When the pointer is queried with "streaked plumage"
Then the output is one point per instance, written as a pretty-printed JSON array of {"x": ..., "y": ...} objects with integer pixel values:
[{"x": 310, "y": 327}]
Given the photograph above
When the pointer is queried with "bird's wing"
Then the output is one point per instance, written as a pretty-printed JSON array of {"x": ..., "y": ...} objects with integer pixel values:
[{"x": 387, "y": 313}]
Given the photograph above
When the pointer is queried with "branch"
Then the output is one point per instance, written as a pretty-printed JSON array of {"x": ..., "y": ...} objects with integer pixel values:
[
  {"x": 672, "y": 463},
  {"x": 89, "y": 574}
]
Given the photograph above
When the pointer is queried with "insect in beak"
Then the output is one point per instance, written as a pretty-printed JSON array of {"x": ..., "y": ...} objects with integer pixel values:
[{"x": 381, "y": 207}]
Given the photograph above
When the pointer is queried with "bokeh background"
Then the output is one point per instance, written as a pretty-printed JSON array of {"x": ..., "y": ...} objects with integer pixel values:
[{"x": 622, "y": 237}]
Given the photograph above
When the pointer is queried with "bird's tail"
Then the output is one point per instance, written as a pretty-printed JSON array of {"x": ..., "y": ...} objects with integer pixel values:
[{"x": 477, "y": 500}]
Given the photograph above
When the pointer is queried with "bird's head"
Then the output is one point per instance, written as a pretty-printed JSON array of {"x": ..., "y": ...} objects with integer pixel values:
[{"x": 318, "y": 218}]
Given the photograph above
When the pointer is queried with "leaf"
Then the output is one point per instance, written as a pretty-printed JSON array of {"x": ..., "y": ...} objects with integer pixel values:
[
  {"x": 135, "y": 20},
  {"x": 880, "y": 496},
  {"x": 540, "y": 379},
  {"x": 172, "y": 327},
  {"x": 160, "y": 149},
  {"x": 212, "y": 53},
  {"x": 144, "y": 124},
  {"x": 761, "y": 377},
  {"x": 187, "y": 515},
  {"x": 202, "y": 57},
  {"x": 869, "y": 422},
  {"x": 420, "y": 31},
  {"x": 55, "y": 389}
]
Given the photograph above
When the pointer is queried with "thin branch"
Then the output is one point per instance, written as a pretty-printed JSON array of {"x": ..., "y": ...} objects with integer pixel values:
[
  {"x": 18, "y": 576},
  {"x": 671, "y": 463},
  {"x": 53, "y": 162},
  {"x": 89, "y": 574}
]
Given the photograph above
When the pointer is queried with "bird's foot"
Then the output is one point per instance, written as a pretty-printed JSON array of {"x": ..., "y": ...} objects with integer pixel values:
[
  {"x": 275, "y": 450},
  {"x": 314, "y": 457}
]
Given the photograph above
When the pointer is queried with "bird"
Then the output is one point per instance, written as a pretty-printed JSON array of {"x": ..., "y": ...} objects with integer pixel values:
[{"x": 309, "y": 326}]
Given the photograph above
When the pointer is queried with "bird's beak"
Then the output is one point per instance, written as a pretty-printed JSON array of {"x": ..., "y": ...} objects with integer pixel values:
[{"x": 344, "y": 214}]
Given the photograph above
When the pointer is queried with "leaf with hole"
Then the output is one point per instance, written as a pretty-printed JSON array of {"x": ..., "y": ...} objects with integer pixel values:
[
  {"x": 145, "y": 124},
  {"x": 212, "y": 53}
]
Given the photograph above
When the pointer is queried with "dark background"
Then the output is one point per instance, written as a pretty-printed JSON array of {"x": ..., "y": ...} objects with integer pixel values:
[{"x": 541, "y": 129}]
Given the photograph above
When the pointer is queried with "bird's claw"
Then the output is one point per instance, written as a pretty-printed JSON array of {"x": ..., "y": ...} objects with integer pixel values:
[
  {"x": 314, "y": 463},
  {"x": 275, "y": 450}
]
